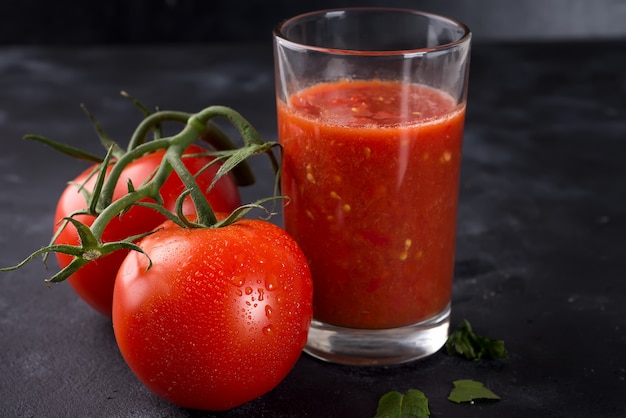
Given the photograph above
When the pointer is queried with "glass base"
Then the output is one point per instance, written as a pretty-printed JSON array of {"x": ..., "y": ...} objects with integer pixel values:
[{"x": 369, "y": 347}]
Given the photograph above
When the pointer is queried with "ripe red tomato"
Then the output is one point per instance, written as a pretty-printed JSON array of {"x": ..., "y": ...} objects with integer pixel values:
[
  {"x": 94, "y": 282},
  {"x": 220, "y": 318}
]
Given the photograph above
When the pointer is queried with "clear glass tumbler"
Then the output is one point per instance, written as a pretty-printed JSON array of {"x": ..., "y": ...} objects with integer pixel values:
[{"x": 371, "y": 106}]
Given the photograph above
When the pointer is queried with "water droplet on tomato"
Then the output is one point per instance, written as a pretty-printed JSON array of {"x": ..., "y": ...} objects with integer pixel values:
[
  {"x": 268, "y": 330},
  {"x": 268, "y": 311},
  {"x": 248, "y": 290},
  {"x": 261, "y": 295},
  {"x": 271, "y": 282},
  {"x": 238, "y": 292},
  {"x": 237, "y": 281}
]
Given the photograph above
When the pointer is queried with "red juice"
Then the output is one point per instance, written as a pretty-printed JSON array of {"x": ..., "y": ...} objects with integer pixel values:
[{"x": 372, "y": 171}]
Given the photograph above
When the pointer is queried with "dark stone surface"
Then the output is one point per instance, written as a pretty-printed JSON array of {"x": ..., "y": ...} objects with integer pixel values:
[{"x": 541, "y": 236}]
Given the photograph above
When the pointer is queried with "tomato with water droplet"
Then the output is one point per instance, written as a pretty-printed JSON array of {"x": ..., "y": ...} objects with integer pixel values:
[{"x": 215, "y": 341}]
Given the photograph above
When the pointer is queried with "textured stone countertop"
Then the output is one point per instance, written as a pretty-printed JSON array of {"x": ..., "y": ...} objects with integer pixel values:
[{"x": 541, "y": 234}]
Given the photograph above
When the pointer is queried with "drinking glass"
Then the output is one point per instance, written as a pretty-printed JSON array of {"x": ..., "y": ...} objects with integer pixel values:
[{"x": 371, "y": 106}]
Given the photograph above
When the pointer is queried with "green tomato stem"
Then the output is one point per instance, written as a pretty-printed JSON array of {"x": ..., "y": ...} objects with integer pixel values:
[
  {"x": 151, "y": 121},
  {"x": 105, "y": 209},
  {"x": 204, "y": 212},
  {"x": 106, "y": 196},
  {"x": 175, "y": 147}
]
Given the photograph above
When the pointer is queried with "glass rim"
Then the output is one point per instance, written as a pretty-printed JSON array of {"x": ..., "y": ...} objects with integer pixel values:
[{"x": 278, "y": 32}]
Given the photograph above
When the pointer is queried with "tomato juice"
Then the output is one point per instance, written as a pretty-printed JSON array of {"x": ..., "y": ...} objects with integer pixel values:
[{"x": 372, "y": 170}]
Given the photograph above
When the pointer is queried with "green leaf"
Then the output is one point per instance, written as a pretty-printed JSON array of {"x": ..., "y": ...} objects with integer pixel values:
[
  {"x": 413, "y": 404},
  {"x": 232, "y": 158},
  {"x": 143, "y": 108},
  {"x": 467, "y": 390},
  {"x": 66, "y": 249},
  {"x": 88, "y": 240},
  {"x": 105, "y": 140},
  {"x": 65, "y": 149},
  {"x": 97, "y": 188},
  {"x": 465, "y": 343},
  {"x": 241, "y": 211},
  {"x": 158, "y": 129},
  {"x": 219, "y": 140}
]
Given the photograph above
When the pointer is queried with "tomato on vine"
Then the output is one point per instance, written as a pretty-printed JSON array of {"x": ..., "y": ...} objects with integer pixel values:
[
  {"x": 94, "y": 282},
  {"x": 219, "y": 318},
  {"x": 209, "y": 311}
]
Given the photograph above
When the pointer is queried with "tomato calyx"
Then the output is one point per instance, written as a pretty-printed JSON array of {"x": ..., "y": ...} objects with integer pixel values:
[
  {"x": 104, "y": 208},
  {"x": 90, "y": 249}
]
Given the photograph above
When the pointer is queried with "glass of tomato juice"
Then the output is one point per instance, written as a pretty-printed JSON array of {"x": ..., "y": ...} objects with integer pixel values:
[{"x": 371, "y": 106}]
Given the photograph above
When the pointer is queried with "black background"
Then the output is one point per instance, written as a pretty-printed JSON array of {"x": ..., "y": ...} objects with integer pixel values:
[{"x": 175, "y": 21}]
